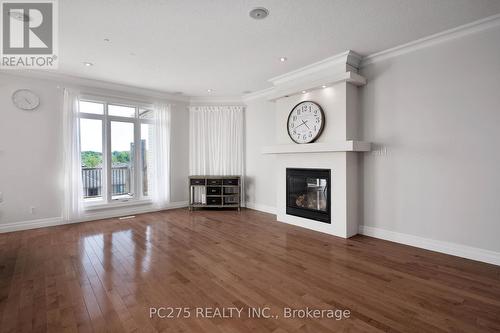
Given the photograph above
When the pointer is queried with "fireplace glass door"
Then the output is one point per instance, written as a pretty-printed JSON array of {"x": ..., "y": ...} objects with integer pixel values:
[{"x": 308, "y": 193}]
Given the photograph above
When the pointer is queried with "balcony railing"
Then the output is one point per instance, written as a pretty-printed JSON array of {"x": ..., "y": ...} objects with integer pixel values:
[{"x": 92, "y": 181}]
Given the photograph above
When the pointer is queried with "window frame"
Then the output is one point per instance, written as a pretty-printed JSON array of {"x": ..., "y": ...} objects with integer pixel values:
[{"x": 137, "y": 180}]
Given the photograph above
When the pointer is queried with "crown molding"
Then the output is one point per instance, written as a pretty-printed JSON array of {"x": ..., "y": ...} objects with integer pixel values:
[
  {"x": 314, "y": 84},
  {"x": 463, "y": 30},
  {"x": 215, "y": 100},
  {"x": 273, "y": 93},
  {"x": 347, "y": 58},
  {"x": 264, "y": 93},
  {"x": 84, "y": 83},
  {"x": 444, "y": 36}
]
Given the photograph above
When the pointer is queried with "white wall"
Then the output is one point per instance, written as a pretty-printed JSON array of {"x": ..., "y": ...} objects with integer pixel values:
[
  {"x": 260, "y": 170},
  {"x": 30, "y": 152},
  {"x": 31, "y": 146},
  {"x": 437, "y": 112}
]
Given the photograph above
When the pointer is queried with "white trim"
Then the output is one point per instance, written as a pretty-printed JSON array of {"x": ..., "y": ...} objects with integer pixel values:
[
  {"x": 441, "y": 37},
  {"x": 315, "y": 84},
  {"x": 276, "y": 92},
  {"x": 262, "y": 208},
  {"x": 263, "y": 93},
  {"x": 115, "y": 100},
  {"x": 353, "y": 59},
  {"x": 337, "y": 146},
  {"x": 93, "y": 85},
  {"x": 454, "y": 249},
  {"x": 53, "y": 221},
  {"x": 31, "y": 224},
  {"x": 345, "y": 58},
  {"x": 216, "y": 100},
  {"x": 444, "y": 36},
  {"x": 90, "y": 206}
]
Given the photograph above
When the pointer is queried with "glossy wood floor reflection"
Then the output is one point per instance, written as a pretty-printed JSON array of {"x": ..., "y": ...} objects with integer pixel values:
[{"x": 105, "y": 275}]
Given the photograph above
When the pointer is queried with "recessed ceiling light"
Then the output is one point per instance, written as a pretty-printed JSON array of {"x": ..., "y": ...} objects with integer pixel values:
[
  {"x": 209, "y": 90},
  {"x": 88, "y": 64},
  {"x": 259, "y": 13},
  {"x": 323, "y": 86},
  {"x": 303, "y": 91},
  {"x": 283, "y": 59}
]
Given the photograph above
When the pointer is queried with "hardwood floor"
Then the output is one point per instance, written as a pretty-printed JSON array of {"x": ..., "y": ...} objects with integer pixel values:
[{"x": 106, "y": 275}]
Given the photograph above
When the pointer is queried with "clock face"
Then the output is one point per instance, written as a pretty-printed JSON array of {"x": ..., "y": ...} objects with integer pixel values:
[
  {"x": 305, "y": 122},
  {"x": 25, "y": 99}
]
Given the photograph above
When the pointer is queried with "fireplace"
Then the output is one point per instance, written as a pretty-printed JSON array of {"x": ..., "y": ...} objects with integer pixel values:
[{"x": 308, "y": 193}]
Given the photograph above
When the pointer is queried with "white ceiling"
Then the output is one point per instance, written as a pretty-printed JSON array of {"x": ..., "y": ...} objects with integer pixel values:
[{"x": 190, "y": 46}]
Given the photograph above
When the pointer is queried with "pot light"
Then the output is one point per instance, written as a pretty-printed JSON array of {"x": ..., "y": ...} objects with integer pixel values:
[
  {"x": 283, "y": 59},
  {"x": 209, "y": 90},
  {"x": 259, "y": 13},
  {"x": 323, "y": 86},
  {"x": 303, "y": 91},
  {"x": 88, "y": 64}
]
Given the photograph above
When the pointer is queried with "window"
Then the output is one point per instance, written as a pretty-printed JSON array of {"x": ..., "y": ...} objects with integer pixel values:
[{"x": 116, "y": 151}]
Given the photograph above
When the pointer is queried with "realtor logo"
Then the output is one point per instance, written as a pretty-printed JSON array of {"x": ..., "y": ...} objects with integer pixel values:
[{"x": 29, "y": 34}]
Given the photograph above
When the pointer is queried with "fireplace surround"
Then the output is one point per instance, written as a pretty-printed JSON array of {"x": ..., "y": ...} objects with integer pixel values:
[
  {"x": 308, "y": 193},
  {"x": 333, "y": 84}
]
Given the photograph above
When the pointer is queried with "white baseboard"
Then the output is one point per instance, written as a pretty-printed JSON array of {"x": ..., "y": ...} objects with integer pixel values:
[
  {"x": 454, "y": 249},
  {"x": 31, "y": 224},
  {"x": 53, "y": 221},
  {"x": 262, "y": 208}
]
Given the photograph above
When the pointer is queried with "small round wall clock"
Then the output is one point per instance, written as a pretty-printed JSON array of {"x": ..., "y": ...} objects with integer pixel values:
[
  {"x": 25, "y": 99},
  {"x": 305, "y": 122}
]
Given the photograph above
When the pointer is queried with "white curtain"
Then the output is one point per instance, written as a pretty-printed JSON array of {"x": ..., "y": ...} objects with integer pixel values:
[
  {"x": 73, "y": 192},
  {"x": 216, "y": 141},
  {"x": 161, "y": 156}
]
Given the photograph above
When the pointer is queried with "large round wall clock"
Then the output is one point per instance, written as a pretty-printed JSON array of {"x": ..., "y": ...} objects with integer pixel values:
[{"x": 305, "y": 122}]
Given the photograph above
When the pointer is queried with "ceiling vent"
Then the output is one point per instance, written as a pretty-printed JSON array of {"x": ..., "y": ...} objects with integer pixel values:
[{"x": 259, "y": 13}]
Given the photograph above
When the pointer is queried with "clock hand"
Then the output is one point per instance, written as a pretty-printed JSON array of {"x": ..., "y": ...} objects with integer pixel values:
[
  {"x": 299, "y": 125},
  {"x": 27, "y": 101},
  {"x": 304, "y": 123}
]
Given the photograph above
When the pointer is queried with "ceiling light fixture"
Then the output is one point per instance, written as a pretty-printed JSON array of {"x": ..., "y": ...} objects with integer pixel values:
[
  {"x": 209, "y": 90},
  {"x": 88, "y": 64},
  {"x": 323, "y": 86},
  {"x": 283, "y": 59},
  {"x": 303, "y": 91},
  {"x": 259, "y": 13}
]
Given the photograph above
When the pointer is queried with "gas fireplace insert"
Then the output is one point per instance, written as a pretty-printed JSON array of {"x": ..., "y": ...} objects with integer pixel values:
[{"x": 308, "y": 193}]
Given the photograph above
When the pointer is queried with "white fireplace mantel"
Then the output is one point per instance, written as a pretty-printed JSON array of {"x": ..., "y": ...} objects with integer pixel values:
[
  {"x": 338, "y": 146},
  {"x": 333, "y": 84}
]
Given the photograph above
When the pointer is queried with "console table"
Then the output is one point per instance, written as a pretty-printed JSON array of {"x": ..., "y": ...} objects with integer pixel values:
[{"x": 214, "y": 191}]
